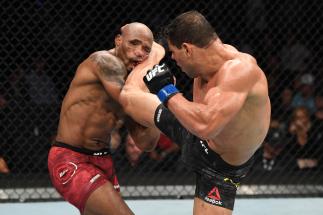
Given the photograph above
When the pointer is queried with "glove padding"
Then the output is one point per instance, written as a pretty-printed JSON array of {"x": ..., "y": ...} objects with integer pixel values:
[
  {"x": 158, "y": 77},
  {"x": 160, "y": 81}
]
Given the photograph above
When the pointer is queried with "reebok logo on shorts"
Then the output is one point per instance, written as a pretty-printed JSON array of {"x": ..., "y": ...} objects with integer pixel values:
[{"x": 214, "y": 197}]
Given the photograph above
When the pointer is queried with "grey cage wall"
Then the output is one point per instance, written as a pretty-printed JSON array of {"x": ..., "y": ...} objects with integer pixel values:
[{"x": 43, "y": 41}]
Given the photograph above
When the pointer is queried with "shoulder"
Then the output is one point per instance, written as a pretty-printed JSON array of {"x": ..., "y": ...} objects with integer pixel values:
[
  {"x": 243, "y": 63},
  {"x": 236, "y": 69},
  {"x": 100, "y": 57},
  {"x": 107, "y": 63},
  {"x": 240, "y": 72}
]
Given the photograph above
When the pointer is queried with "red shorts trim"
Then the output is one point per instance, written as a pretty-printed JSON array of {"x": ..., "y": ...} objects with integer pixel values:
[{"x": 75, "y": 175}]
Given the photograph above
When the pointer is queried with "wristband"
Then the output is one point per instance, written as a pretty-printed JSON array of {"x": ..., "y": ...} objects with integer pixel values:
[{"x": 166, "y": 92}]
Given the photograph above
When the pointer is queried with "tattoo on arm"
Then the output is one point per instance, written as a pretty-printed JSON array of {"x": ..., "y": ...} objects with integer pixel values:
[{"x": 110, "y": 67}]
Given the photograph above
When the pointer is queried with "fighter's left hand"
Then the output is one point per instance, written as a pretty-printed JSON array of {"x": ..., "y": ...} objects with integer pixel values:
[{"x": 160, "y": 81}]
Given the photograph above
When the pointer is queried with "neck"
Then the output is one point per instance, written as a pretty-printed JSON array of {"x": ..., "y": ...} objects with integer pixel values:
[
  {"x": 113, "y": 52},
  {"x": 211, "y": 59}
]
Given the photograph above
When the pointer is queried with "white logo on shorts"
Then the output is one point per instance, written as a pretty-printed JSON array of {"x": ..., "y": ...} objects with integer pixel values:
[
  {"x": 117, "y": 186},
  {"x": 213, "y": 201},
  {"x": 95, "y": 178},
  {"x": 61, "y": 174}
]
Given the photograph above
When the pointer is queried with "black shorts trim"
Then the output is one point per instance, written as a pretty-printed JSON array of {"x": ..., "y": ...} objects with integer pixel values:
[{"x": 101, "y": 152}]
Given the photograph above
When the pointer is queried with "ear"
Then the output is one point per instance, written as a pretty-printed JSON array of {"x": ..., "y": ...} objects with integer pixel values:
[
  {"x": 118, "y": 40},
  {"x": 187, "y": 49}
]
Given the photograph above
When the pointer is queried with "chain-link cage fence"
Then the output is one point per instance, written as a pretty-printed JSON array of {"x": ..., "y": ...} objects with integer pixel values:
[{"x": 43, "y": 41}]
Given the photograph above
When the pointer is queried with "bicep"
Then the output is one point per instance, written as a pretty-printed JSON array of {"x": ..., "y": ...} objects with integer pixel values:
[
  {"x": 139, "y": 105},
  {"x": 224, "y": 105},
  {"x": 229, "y": 96},
  {"x": 108, "y": 68},
  {"x": 110, "y": 72},
  {"x": 223, "y": 102}
]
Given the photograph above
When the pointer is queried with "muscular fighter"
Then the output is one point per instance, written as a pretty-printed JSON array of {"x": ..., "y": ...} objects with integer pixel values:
[
  {"x": 228, "y": 119},
  {"x": 79, "y": 162}
]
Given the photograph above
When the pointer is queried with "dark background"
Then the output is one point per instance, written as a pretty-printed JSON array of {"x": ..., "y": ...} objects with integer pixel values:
[{"x": 60, "y": 34}]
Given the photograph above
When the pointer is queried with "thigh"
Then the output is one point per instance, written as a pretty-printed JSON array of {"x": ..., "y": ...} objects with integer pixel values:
[
  {"x": 106, "y": 200},
  {"x": 76, "y": 181},
  {"x": 76, "y": 177}
]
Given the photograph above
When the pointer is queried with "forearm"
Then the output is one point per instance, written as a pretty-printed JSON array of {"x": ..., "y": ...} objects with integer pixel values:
[
  {"x": 139, "y": 105},
  {"x": 135, "y": 97},
  {"x": 146, "y": 138},
  {"x": 193, "y": 116}
]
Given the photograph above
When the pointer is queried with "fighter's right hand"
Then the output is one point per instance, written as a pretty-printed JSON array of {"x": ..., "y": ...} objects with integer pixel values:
[{"x": 160, "y": 81}]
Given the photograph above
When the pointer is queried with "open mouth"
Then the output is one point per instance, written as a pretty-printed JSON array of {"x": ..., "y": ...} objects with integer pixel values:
[{"x": 134, "y": 63}]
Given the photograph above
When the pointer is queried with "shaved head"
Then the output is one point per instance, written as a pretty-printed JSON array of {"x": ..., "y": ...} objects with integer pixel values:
[
  {"x": 136, "y": 27},
  {"x": 133, "y": 44}
]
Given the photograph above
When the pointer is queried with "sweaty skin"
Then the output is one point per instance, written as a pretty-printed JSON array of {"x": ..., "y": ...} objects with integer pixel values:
[
  {"x": 91, "y": 108},
  {"x": 231, "y": 107}
]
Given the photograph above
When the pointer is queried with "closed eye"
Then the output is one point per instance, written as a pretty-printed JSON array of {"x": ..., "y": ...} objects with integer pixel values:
[
  {"x": 135, "y": 42},
  {"x": 147, "y": 49}
]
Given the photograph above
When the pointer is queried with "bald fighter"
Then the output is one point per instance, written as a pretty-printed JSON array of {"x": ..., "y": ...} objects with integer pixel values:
[
  {"x": 79, "y": 162},
  {"x": 228, "y": 119}
]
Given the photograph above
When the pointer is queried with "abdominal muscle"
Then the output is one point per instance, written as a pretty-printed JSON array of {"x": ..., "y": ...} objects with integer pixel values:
[
  {"x": 87, "y": 123},
  {"x": 240, "y": 138}
]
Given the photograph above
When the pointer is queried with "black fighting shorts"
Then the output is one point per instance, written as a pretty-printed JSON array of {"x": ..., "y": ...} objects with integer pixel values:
[{"x": 217, "y": 181}]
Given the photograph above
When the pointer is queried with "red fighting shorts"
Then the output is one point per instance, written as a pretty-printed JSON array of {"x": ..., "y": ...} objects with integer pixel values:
[{"x": 76, "y": 174}]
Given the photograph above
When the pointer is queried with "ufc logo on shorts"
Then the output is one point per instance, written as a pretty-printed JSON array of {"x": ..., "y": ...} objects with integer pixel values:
[{"x": 153, "y": 72}]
